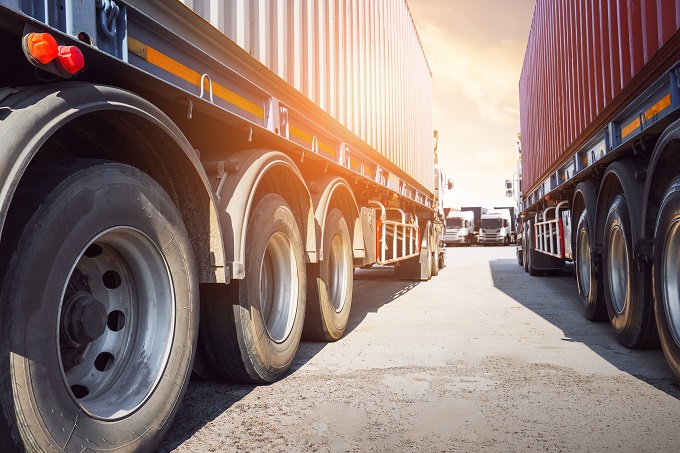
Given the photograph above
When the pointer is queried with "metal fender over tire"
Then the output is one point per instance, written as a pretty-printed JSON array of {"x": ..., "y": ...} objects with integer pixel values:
[
  {"x": 252, "y": 331},
  {"x": 667, "y": 276},
  {"x": 99, "y": 310},
  {"x": 330, "y": 282},
  {"x": 630, "y": 313},
  {"x": 588, "y": 274}
]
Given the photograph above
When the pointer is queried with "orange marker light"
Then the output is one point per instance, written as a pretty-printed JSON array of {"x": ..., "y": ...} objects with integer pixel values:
[
  {"x": 42, "y": 47},
  {"x": 71, "y": 59}
]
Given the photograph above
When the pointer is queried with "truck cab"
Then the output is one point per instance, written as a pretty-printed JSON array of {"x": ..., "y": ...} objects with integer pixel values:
[
  {"x": 496, "y": 228},
  {"x": 460, "y": 228}
]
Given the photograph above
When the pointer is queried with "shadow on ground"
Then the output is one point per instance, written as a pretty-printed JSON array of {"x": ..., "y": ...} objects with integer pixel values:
[
  {"x": 206, "y": 400},
  {"x": 539, "y": 294}
]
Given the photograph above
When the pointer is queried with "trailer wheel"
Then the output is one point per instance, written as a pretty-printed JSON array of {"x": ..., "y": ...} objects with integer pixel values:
[
  {"x": 630, "y": 314},
  {"x": 529, "y": 261},
  {"x": 99, "y": 310},
  {"x": 525, "y": 248},
  {"x": 434, "y": 261},
  {"x": 667, "y": 276},
  {"x": 252, "y": 330},
  {"x": 588, "y": 277},
  {"x": 520, "y": 256},
  {"x": 329, "y": 291}
]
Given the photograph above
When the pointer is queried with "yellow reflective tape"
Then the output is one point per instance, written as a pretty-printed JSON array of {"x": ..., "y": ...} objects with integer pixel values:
[
  {"x": 176, "y": 68},
  {"x": 305, "y": 137},
  {"x": 327, "y": 148},
  {"x": 658, "y": 107},
  {"x": 299, "y": 133},
  {"x": 630, "y": 128}
]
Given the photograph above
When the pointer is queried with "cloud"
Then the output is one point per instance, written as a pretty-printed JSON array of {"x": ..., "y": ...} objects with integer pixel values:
[{"x": 476, "y": 59}]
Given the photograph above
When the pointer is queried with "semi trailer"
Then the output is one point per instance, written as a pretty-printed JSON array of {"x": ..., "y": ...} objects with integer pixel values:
[
  {"x": 190, "y": 186},
  {"x": 600, "y": 178}
]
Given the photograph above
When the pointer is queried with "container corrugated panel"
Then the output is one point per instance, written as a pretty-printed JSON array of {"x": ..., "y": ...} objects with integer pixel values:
[
  {"x": 361, "y": 61},
  {"x": 581, "y": 57}
]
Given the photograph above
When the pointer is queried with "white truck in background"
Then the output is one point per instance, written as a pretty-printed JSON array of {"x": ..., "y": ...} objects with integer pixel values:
[
  {"x": 460, "y": 228},
  {"x": 496, "y": 228}
]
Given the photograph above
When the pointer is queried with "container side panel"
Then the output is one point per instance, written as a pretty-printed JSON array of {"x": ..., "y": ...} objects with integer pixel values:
[
  {"x": 581, "y": 55},
  {"x": 361, "y": 61}
]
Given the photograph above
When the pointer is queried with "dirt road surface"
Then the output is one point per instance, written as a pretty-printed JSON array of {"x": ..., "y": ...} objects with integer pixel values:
[{"x": 482, "y": 358}]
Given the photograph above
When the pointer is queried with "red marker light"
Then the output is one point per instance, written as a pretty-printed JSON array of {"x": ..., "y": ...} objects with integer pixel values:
[
  {"x": 42, "y": 47},
  {"x": 71, "y": 59}
]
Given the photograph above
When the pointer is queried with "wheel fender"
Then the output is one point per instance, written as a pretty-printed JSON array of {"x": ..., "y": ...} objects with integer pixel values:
[
  {"x": 324, "y": 190},
  {"x": 586, "y": 191},
  {"x": 236, "y": 197},
  {"x": 620, "y": 177},
  {"x": 663, "y": 167},
  {"x": 30, "y": 116}
]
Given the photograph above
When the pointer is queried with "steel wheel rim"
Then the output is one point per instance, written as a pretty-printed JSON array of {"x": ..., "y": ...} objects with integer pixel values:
[
  {"x": 671, "y": 279},
  {"x": 337, "y": 262},
  {"x": 279, "y": 283},
  {"x": 584, "y": 262},
  {"x": 618, "y": 269},
  {"x": 125, "y": 272}
]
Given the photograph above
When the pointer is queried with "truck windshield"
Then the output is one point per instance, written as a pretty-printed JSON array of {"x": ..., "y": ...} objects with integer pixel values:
[
  {"x": 454, "y": 223},
  {"x": 492, "y": 223}
]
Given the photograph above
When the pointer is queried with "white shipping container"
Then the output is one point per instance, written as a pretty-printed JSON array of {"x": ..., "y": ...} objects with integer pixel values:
[{"x": 359, "y": 60}]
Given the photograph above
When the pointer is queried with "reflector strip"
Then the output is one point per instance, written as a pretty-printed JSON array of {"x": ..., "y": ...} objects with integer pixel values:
[
  {"x": 649, "y": 114},
  {"x": 658, "y": 107},
  {"x": 633, "y": 125},
  {"x": 304, "y": 136},
  {"x": 176, "y": 68}
]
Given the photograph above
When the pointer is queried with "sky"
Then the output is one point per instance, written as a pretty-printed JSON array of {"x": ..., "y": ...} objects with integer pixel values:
[{"x": 475, "y": 50}]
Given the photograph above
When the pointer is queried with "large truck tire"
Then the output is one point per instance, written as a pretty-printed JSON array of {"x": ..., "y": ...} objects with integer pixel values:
[
  {"x": 588, "y": 273},
  {"x": 667, "y": 277},
  {"x": 99, "y": 310},
  {"x": 252, "y": 330},
  {"x": 434, "y": 253},
  {"x": 330, "y": 283},
  {"x": 630, "y": 311},
  {"x": 525, "y": 247},
  {"x": 530, "y": 252}
]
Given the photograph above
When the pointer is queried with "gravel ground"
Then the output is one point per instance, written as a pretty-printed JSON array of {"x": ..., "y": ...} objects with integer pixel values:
[{"x": 481, "y": 358}]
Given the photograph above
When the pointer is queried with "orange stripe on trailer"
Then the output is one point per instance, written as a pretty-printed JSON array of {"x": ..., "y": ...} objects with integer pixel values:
[
  {"x": 304, "y": 136},
  {"x": 630, "y": 128},
  {"x": 658, "y": 107},
  {"x": 176, "y": 68}
]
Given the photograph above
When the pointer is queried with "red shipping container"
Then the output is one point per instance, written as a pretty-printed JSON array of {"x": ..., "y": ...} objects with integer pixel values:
[{"x": 585, "y": 60}]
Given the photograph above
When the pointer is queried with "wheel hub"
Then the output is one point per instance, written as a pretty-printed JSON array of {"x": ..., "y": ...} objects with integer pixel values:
[{"x": 84, "y": 319}]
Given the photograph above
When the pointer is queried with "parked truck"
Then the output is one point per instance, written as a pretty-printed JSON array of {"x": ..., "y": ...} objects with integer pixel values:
[
  {"x": 496, "y": 228},
  {"x": 190, "y": 185},
  {"x": 513, "y": 220},
  {"x": 459, "y": 228},
  {"x": 478, "y": 210},
  {"x": 600, "y": 175}
]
